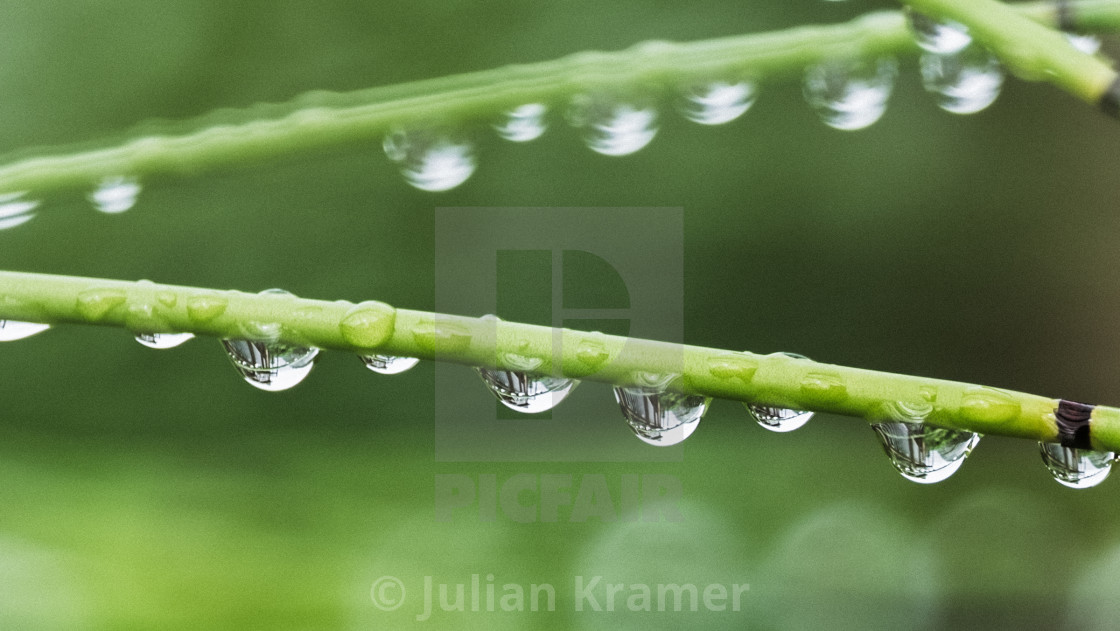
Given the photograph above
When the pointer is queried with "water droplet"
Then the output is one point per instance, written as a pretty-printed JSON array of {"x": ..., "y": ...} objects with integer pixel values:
[
  {"x": 115, "y": 194},
  {"x": 163, "y": 340},
  {"x": 526, "y": 392},
  {"x": 718, "y": 102},
  {"x": 592, "y": 353},
  {"x": 925, "y": 453},
  {"x": 728, "y": 367},
  {"x": 778, "y": 419},
  {"x": 523, "y": 123},
  {"x": 660, "y": 417},
  {"x": 964, "y": 82},
  {"x": 1076, "y": 468},
  {"x": 389, "y": 364},
  {"x": 16, "y": 211},
  {"x": 368, "y": 324},
  {"x": 95, "y": 304},
  {"x": 11, "y": 330},
  {"x": 167, "y": 298},
  {"x": 206, "y": 307},
  {"x": 1088, "y": 44},
  {"x": 431, "y": 160},
  {"x": 271, "y": 366},
  {"x": 447, "y": 337},
  {"x": 614, "y": 127},
  {"x": 823, "y": 388},
  {"x": 988, "y": 405},
  {"x": 936, "y": 36},
  {"x": 850, "y": 95}
]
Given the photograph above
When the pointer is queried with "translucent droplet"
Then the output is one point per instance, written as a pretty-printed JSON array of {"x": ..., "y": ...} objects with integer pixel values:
[
  {"x": 431, "y": 160},
  {"x": 1076, "y": 468},
  {"x": 526, "y": 392},
  {"x": 11, "y": 330},
  {"x": 925, "y": 453},
  {"x": 778, "y": 419},
  {"x": 1088, "y": 44},
  {"x": 16, "y": 211},
  {"x": 389, "y": 364},
  {"x": 524, "y": 123},
  {"x": 660, "y": 417},
  {"x": 964, "y": 82},
  {"x": 163, "y": 340},
  {"x": 936, "y": 36},
  {"x": 717, "y": 103},
  {"x": 614, "y": 127},
  {"x": 266, "y": 363},
  {"x": 115, "y": 194},
  {"x": 850, "y": 95}
]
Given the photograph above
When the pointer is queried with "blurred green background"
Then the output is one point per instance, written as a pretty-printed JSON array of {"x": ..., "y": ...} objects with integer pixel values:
[{"x": 143, "y": 489}]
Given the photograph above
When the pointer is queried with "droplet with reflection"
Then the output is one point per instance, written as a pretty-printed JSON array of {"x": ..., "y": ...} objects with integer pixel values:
[
  {"x": 163, "y": 340},
  {"x": 717, "y": 102},
  {"x": 268, "y": 363},
  {"x": 431, "y": 160},
  {"x": 523, "y": 123},
  {"x": 925, "y": 453},
  {"x": 850, "y": 95},
  {"x": 115, "y": 194},
  {"x": 614, "y": 127},
  {"x": 388, "y": 364},
  {"x": 660, "y": 417},
  {"x": 937, "y": 36},
  {"x": 964, "y": 82},
  {"x": 1076, "y": 468},
  {"x": 12, "y": 330},
  {"x": 15, "y": 210}
]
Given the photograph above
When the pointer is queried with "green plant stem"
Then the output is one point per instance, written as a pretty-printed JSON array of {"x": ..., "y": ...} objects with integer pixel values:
[
  {"x": 374, "y": 327},
  {"x": 1029, "y": 49},
  {"x": 321, "y": 119}
]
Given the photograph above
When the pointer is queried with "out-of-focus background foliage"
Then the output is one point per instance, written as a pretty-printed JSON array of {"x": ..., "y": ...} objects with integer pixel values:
[{"x": 143, "y": 489}]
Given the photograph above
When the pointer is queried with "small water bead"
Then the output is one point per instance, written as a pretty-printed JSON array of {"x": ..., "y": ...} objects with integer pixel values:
[
  {"x": 964, "y": 82},
  {"x": 431, "y": 160},
  {"x": 850, "y": 95},
  {"x": 526, "y": 392},
  {"x": 163, "y": 340},
  {"x": 717, "y": 103},
  {"x": 15, "y": 210},
  {"x": 12, "y": 330},
  {"x": 389, "y": 364},
  {"x": 1088, "y": 44},
  {"x": 523, "y": 123},
  {"x": 614, "y": 127},
  {"x": 925, "y": 453},
  {"x": 935, "y": 36},
  {"x": 115, "y": 194},
  {"x": 660, "y": 417},
  {"x": 1076, "y": 468}
]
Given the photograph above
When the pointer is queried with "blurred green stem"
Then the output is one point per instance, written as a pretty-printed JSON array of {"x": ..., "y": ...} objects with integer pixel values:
[
  {"x": 321, "y": 119},
  {"x": 1032, "y": 51},
  {"x": 374, "y": 327}
]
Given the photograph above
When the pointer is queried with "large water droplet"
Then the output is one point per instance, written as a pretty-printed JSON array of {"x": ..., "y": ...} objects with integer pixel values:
[
  {"x": 718, "y": 102},
  {"x": 266, "y": 363},
  {"x": 1088, "y": 44},
  {"x": 936, "y": 36},
  {"x": 523, "y": 123},
  {"x": 389, "y": 364},
  {"x": 850, "y": 95},
  {"x": 163, "y": 340},
  {"x": 527, "y": 392},
  {"x": 925, "y": 453},
  {"x": 964, "y": 82},
  {"x": 16, "y": 211},
  {"x": 778, "y": 419},
  {"x": 11, "y": 330},
  {"x": 115, "y": 194},
  {"x": 431, "y": 160},
  {"x": 660, "y": 417},
  {"x": 614, "y": 127},
  {"x": 1076, "y": 468}
]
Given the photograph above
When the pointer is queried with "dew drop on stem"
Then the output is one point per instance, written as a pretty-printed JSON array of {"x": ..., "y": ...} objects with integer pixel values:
[
  {"x": 431, "y": 159},
  {"x": 964, "y": 82},
  {"x": 12, "y": 330},
  {"x": 523, "y": 123},
  {"x": 850, "y": 95},
  {"x": 937, "y": 36},
  {"x": 388, "y": 364},
  {"x": 163, "y": 341},
  {"x": 115, "y": 194},
  {"x": 614, "y": 126},
  {"x": 269, "y": 364},
  {"x": 925, "y": 453},
  {"x": 15, "y": 210},
  {"x": 658, "y": 416},
  {"x": 1076, "y": 468},
  {"x": 717, "y": 102}
]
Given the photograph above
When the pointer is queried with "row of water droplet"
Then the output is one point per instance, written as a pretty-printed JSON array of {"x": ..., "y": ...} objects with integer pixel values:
[
  {"x": 112, "y": 196},
  {"x": 656, "y": 413}
]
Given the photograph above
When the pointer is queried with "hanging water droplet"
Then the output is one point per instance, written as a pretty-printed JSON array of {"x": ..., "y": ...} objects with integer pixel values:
[
  {"x": 1088, "y": 44},
  {"x": 523, "y": 123},
  {"x": 526, "y": 392},
  {"x": 660, "y": 417},
  {"x": 964, "y": 82},
  {"x": 718, "y": 102},
  {"x": 778, "y": 419},
  {"x": 850, "y": 95},
  {"x": 431, "y": 160},
  {"x": 163, "y": 340},
  {"x": 12, "y": 330},
  {"x": 1076, "y": 468},
  {"x": 16, "y": 211},
  {"x": 925, "y": 453},
  {"x": 266, "y": 363},
  {"x": 115, "y": 194},
  {"x": 614, "y": 127},
  {"x": 389, "y": 364},
  {"x": 936, "y": 36}
]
